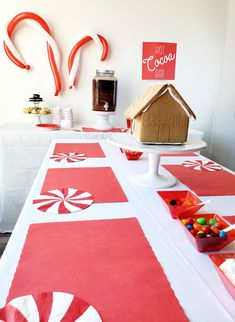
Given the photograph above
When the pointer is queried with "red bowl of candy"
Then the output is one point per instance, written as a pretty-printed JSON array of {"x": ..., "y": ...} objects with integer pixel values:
[
  {"x": 219, "y": 259},
  {"x": 132, "y": 155},
  {"x": 205, "y": 232},
  {"x": 180, "y": 202}
]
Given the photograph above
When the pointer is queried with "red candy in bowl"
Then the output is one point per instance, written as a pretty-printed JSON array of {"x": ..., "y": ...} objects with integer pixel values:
[
  {"x": 132, "y": 155},
  {"x": 180, "y": 202},
  {"x": 205, "y": 232},
  {"x": 219, "y": 259}
]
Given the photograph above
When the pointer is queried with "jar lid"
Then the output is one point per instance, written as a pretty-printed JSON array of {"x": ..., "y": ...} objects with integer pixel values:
[{"x": 106, "y": 72}]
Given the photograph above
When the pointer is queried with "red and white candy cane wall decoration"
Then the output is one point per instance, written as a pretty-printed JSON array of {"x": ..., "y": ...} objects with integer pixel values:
[
  {"x": 53, "y": 52},
  {"x": 74, "y": 56}
]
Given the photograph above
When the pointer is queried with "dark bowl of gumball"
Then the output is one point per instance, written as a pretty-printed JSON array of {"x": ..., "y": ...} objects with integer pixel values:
[
  {"x": 180, "y": 202},
  {"x": 205, "y": 232}
]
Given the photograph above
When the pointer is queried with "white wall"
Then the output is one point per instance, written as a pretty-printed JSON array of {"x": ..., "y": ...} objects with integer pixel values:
[
  {"x": 197, "y": 26},
  {"x": 223, "y": 133}
]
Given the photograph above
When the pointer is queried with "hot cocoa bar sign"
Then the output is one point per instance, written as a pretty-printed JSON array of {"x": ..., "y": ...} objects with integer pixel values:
[{"x": 158, "y": 60}]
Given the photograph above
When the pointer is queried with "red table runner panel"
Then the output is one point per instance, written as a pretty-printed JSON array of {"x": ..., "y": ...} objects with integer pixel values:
[
  {"x": 107, "y": 263},
  {"x": 91, "y": 150},
  {"x": 204, "y": 183},
  {"x": 117, "y": 129},
  {"x": 101, "y": 182}
]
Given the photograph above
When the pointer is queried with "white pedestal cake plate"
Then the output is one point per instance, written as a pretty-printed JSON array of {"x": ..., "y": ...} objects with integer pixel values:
[
  {"x": 152, "y": 178},
  {"x": 102, "y": 122}
]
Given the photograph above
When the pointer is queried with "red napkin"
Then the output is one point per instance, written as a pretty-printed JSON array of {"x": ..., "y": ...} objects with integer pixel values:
[
  {"x": 205, "y": 183},
  {"x": 117, "y": 129},
  {"x": 91, "y": 150},
  {"x": 101, "y": 182},
  {"x": 108, "y": 263}
]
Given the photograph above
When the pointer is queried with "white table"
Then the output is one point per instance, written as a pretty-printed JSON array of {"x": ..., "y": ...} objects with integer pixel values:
[
  {"x": 152, "y": 178},
  {"x": 22, "y": 150},
  {"x": 191, "y": 274}
]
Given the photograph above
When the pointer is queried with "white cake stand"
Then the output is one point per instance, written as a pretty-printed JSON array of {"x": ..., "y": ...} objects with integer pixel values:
[
  {"x": 102, "y": 122},
  {"x": 152, "y": 178}
]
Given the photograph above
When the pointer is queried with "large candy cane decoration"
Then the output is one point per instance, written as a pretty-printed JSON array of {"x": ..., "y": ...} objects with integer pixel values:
[
  {"x": 74, "y": 56},
  {"x": 53, "y": 52}
]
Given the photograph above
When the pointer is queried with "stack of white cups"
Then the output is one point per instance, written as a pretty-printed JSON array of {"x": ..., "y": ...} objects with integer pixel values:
[
  {"x": 57, "y": 115},
  {"x": 67, "y": 122}
]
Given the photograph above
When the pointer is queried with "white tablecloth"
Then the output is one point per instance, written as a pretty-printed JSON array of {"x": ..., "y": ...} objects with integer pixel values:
[
  {"x": 191, "y": 274},
  {"x": 22, "y": 150}
]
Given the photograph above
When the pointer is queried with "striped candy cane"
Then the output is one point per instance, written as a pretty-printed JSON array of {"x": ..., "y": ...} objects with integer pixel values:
[
  {"x": 74, "y": 56},
  {"x": 39, "y": 24}
]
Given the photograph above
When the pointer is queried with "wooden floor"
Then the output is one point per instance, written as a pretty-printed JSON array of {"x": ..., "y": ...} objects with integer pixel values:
[{"x": 3, "y": 241}]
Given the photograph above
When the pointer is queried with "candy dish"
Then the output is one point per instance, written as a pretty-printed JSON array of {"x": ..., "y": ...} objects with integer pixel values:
[
  {"x": 217, "y": 260},
  {"x": 210, "y": 237},
  {"x": 181, "y": 202},
  {"x": 132, "y": 155},
  {"x": 48, "y": 126}
]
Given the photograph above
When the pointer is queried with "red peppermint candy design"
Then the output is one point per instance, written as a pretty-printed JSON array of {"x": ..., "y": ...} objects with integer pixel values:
[
  {"x": 63, "y": 201},
  {"x": 200, "y": 165},
  {"x": 68, "y": 157},
  {"x": 47, "y": 307}
]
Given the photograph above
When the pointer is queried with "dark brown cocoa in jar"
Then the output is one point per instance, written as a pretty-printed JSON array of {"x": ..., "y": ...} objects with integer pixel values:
[{"x": 104, "y": 91}]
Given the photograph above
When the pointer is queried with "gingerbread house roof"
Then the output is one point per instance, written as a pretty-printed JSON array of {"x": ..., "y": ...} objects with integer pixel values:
[{"x": 150, "y": 95}]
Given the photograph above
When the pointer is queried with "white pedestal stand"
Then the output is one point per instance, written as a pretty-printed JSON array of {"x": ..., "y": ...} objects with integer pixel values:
[
  {"x": 34, "y": 118},
  {"x": 102, "y": 122},
  {"x": 152, "y": 178}
]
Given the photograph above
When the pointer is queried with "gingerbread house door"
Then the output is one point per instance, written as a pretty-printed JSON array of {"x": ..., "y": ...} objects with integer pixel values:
[{"x": 164, "y": 133}]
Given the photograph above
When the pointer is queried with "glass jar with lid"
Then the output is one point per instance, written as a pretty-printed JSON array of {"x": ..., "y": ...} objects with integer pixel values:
[{"x": 104, "y": 89}]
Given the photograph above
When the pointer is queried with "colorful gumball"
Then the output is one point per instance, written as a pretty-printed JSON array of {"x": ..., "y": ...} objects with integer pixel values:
[
  {"x": 212, "y": 221},
  {"x": 206, "y": 229},
  {"x": 215, "y": 230},
  {"x": 194, "y": 232},
  {"x": 201, "y": 221},
  {"x": 222, "y": 234},
  {"x": 197, "y": 226},
  {"x": 190, "y": 221},
  {"x": 189, "y": 227},
  {"x": 173, "y": 202}
]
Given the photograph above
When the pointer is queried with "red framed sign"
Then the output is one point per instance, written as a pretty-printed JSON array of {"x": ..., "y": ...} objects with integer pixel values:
[{"x": 159, "y": 60}]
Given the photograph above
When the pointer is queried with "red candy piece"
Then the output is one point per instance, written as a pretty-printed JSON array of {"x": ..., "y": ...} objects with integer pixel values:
[
  {"x": 190, "y": 221},
  {"x": 194, "y": 232},
  {"x": 206, "y": 229}
]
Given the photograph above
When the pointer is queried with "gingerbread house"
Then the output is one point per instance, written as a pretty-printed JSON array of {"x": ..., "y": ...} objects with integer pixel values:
[{"x": 160, "y": 116}]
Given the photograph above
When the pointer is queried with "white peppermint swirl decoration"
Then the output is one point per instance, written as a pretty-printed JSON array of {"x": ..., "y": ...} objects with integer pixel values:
[
  {"x": 49, "y": 306},
  {"x": 199, "y": 165},
  {"x": 63, "y": 201},
  {"x": 68, "y": 157}
]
